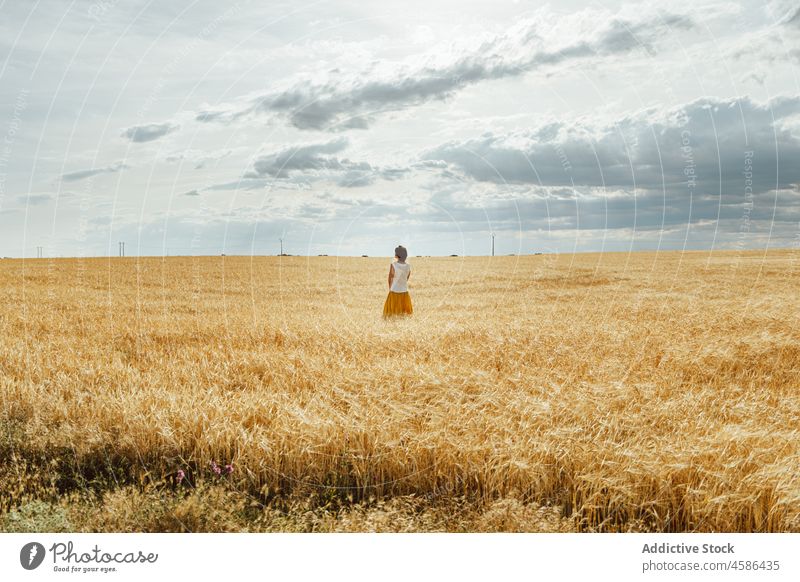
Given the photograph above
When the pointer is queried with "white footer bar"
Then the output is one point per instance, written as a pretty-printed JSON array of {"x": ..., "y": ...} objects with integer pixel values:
[{"x": 388, "y": 557}]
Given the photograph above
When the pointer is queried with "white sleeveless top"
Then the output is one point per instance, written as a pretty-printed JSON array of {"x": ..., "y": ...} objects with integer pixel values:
[{"x": 400, "y": 281}]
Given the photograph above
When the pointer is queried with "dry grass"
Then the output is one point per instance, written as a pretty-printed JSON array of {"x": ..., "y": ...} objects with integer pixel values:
[{"x": 601, "y": 392}]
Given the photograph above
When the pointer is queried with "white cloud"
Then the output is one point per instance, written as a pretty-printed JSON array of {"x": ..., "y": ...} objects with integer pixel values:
[
  {"x": 90, "y": 172},
  {"x": 352, "y": 101},
  {"x": 198, "y": 158}
]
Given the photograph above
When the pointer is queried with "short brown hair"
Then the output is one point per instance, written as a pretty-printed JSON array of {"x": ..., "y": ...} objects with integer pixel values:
[{"x": 401, "y": 253}]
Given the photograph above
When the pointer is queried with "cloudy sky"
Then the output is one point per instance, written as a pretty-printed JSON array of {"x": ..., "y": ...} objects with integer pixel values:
[{"x": 345, "y": 127}]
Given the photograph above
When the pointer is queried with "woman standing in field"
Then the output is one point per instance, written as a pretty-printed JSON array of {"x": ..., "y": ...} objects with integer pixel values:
[{"x": 398, "y": 302}]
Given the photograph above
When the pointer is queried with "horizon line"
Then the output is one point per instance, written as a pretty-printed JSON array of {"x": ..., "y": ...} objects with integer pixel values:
[{"x": 446, "y": 256}]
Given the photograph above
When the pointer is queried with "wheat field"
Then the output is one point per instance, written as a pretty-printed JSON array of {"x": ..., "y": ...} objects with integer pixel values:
[{"x": 586, "y": 392}]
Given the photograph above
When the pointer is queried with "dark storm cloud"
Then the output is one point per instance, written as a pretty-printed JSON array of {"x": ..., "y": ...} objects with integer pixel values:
[
  {"x": 308, "y": 162},
  {"x": 149, "y": 131},
  {"x": 303, "y": 157},
  {"x": 83, "y": 174},
  {"x": 352, "y": 102},
  {"x": 646, "y": 211},
  {"x": 707, "y": 139},
  {"x": 711, "y": 161}
]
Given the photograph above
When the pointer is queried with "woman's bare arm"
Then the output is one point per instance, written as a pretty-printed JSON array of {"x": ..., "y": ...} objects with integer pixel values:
[{"x": 391, "y": 275}]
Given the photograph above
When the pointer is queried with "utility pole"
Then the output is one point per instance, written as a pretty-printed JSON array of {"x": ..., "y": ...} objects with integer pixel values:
[
  {"x": 492, "y": 244},
  {"x": 121, "y": 249},
  {"x": 39, "y": 252},
  {"x": 281, "y": 239}
]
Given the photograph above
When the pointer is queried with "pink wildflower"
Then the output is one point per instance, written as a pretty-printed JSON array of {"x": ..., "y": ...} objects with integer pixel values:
[
  {"x": 181, "y": 475},
  {"x": 229, "y": 469}
]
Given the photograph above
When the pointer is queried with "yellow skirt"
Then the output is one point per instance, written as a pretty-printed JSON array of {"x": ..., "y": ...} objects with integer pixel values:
[{"x": 397, "y": 304}]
